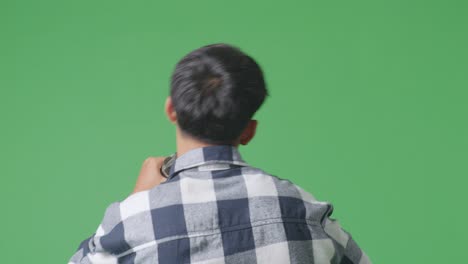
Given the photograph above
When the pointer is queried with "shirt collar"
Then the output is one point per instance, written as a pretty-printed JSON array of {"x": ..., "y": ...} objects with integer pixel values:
[{"x": 215, "y": 154}]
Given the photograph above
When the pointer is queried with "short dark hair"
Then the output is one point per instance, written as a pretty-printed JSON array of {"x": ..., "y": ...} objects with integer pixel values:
[{"x": 215, "y": 90}]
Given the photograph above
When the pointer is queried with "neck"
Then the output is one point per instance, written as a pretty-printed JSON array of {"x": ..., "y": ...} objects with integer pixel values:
[{"x": 186, "y": 143}]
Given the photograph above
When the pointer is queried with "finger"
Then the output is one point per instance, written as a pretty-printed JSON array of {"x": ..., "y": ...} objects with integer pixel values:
[
  {"x": 150, "y": 167},
  {"x": 150, "y": 175}
]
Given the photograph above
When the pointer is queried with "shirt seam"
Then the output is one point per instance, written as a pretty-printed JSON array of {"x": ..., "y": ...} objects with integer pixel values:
[{"x": 215, "y": 231}]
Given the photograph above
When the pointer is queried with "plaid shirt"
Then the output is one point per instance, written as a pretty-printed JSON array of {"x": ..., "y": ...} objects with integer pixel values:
[{"x": 215, "y": 208}]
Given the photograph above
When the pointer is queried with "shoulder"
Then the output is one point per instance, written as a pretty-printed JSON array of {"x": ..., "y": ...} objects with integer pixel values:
[
  {"x": 281, "y": 186},
  {"x": 290, "y": 195},
  {"x": 121, "y": 218}
]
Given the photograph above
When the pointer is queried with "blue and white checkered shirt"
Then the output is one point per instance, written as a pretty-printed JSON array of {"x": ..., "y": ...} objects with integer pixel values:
[{"x": 215, "y": 208}]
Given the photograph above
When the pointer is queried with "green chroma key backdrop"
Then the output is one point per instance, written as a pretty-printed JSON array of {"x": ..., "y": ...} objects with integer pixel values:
[{"x": 368, "y": 110}]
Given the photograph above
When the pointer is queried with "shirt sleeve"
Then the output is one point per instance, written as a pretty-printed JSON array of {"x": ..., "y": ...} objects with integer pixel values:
[
  {"x": 345, "y": 247},
  {"x": 94, "y": 248},
  {"x": 80, "y": 256}
]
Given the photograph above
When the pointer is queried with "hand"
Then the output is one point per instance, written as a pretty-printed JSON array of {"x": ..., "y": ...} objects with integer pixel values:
[{"x": 150, "y": 174}]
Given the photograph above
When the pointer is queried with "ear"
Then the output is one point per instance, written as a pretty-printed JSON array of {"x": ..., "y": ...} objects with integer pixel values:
[
  {"x": 249, "y": 132},
  {"x": 169, "y": 109}
]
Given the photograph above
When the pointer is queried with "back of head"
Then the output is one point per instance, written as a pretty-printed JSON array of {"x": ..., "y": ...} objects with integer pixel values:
[{"x": 216, "y": 90}]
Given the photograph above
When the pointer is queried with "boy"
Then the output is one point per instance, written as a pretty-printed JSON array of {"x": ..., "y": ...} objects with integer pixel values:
[{"x": 206, "y": 204}]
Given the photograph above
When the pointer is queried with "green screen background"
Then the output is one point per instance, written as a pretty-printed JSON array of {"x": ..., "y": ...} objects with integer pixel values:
[{"x": 368, "y": 110}]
